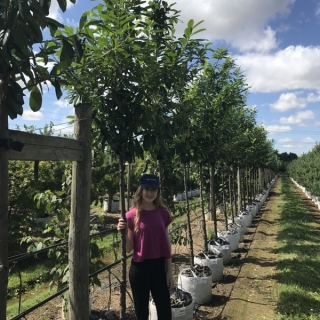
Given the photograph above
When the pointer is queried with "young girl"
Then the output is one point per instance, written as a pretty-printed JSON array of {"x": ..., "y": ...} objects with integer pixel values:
[{"x": 147, "y": 236}]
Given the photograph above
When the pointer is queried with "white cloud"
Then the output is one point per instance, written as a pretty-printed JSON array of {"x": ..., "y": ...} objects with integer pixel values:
[
  {"x": 290, "y": 146},
  {"x": 62, "y": 104},
  {"x": 308, "y": 140},
  {"x": 293, "y": 68},
  {"x": 299, "y": 118},
  {"x": 243, "y": 24},
  {"x": 285, "y": 140},
  {"x": 275, "y": 129},
  {"x": 30, "y": 115},
  {"x": 292, "y": 100},
  {"x": 55, "y": 12}
]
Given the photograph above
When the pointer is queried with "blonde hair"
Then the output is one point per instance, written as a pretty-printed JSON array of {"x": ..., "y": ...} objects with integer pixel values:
[{"x": 137, "y": 200}]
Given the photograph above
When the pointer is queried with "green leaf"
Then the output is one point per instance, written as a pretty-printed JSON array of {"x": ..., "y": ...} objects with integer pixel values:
[
  {"x": 45, "y": 7},
  {"x": 57, "y": 88},
  {"x": 83, "y": 20},
  {"x": 39, "y": 246},
  {"x": 77, "y": 48},
  {"x": 190, "y": 24},
  {"x": 200, "y": 30},
  {"x": 198, "y": 23},
  {"x": 34, "y": 29},
  {"x": 60, "y": 215},
  {"x": 67, "y": 53},
  {"x": 183, "y": 41},
  {"x": 63, "y": 5},
  {"x": 35, "y": 99},
  {"x": 187, "y": 33}
]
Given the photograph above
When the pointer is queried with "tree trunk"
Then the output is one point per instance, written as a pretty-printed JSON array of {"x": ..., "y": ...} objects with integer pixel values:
[
  {"x": 128, "y": 187},
  {"x": 224, "y": 206},
  {"x": 213, "y": 213},
  {"x": 188, "y": 214},
  {"x": 79, "y": 232},
  {"x": 204, "y": 227},
  {"x": 4, "y": 182},
  {"x": 230, "y": 185},
  {"x": 110, "y": 199},
  {"x": 239, "y": 189},
  {"x": 160, "y": 166}
]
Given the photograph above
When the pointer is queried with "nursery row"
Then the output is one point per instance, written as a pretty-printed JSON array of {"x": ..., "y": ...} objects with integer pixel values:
[
  {"x": 314, "y": 198},
  {"x": 194, "y": 286}
]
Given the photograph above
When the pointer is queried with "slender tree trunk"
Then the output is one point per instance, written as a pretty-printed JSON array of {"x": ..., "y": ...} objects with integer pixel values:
[
  {"x": 231, "y": 194},
  {"x": 247, "y": 185},
  {"x": 123, "y": 282},
  {"x": 110, "y": 198},
  {"x": 160, "y": 165},
  {"x": 239, "y": 189},
  {"x": 188, "y": 213},
  {"x": 224, "y": 206},
  {"x": 204, "y": 226},
  {"x": 4, "y": 234},
  {"x": 79, "y": 233},
  {"x": 128, "y": 187},
  {"x": 213, "y": 212},
  {"x": 243, "y": 175}
]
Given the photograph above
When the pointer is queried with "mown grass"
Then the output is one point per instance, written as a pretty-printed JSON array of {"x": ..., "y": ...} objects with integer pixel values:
[{"x": 299, "y": 258}]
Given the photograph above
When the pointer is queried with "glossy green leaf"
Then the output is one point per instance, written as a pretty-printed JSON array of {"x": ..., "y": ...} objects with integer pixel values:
[
  {"x": 35, "y": 99},
  {"x": 58, "y": 90},
  {"x": 67, "y": 53},
  {"x": 83, "y": 20},
  {"x": 63, "y": 5},
  {"x": 183, "y": 41}
]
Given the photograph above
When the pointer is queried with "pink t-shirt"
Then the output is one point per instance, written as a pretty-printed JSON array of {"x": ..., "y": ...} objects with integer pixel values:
[{"x": 150, "y": 241}]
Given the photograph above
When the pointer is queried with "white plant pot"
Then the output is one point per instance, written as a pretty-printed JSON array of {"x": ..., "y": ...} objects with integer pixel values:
[
  {"x": 181, "y": 311},
  {"x": 222, "y": 246},
  {"x": 212, "y": 259},
  {"x": 232, "y": 238},
  {"x": 198, "y": 286}
]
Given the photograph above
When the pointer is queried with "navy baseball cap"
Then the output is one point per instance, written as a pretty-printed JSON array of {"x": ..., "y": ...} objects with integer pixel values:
[{"x": 149, "y": 181}]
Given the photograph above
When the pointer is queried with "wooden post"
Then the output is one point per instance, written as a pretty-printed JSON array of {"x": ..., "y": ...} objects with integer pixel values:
[
  {"x": 123, "y": 282},
  {"x": 4, "y": 182},
  {"x": 80, "y": 219},
  {"x": 239, "y": 190}
]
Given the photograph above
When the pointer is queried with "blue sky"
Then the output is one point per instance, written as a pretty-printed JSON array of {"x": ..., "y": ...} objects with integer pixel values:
[{"x": 276, "y": 43}]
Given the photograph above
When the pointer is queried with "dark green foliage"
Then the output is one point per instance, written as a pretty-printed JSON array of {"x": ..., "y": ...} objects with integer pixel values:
[
  {"x": 305, "y": 170},
  {"x": 22, "y": 24}
]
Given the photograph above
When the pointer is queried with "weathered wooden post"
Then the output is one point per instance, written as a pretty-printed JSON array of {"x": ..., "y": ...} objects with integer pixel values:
[
  {"x": 123, "y": 282},
  {"x": 4, "y": 182},
  {"x": 80, "y": 219}
]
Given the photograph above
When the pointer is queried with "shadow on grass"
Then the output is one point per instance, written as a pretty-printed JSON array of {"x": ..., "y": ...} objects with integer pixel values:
[{"x": 299, "y": 305}]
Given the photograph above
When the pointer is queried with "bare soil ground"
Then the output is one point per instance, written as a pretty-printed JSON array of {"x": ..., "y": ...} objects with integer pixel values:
[{"x": 247, "y": 292}]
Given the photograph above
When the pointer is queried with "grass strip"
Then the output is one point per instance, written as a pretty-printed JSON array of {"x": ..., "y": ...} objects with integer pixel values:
[{"x": 299, "y": 258}]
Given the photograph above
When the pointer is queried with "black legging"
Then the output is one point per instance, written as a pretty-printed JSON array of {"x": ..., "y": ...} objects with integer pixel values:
[{"x": 145, "y": 277}]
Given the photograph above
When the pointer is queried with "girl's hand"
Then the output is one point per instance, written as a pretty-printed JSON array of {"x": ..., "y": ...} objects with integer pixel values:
[{"x": 121, "y": 224}]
